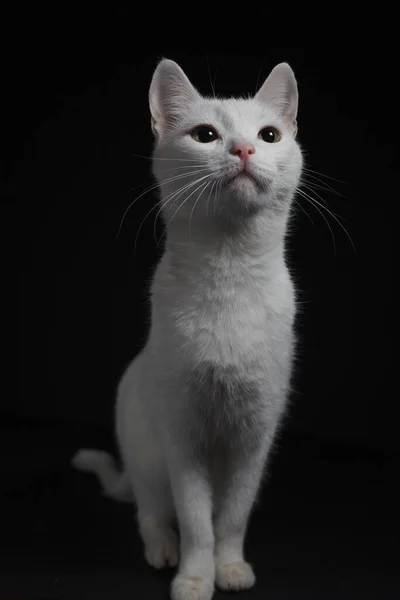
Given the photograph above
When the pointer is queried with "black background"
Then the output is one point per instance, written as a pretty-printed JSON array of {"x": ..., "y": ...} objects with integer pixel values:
[{"x": 77, "y": 115}]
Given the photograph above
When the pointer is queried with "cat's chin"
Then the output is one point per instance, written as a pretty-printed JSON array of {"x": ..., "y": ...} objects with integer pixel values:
[
  {"x": 244, "y": 191},
  {"x": 239, "y": 203}
]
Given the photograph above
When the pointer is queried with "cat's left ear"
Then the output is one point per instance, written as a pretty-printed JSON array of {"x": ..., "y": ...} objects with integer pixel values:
[
  {"x": 279, "y": 91},
  {"x": 170, "y": 95}
]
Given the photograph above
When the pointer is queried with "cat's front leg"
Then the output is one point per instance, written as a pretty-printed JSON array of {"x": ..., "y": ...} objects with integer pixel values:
[
  {"x": 192, "y": 495},
  {"x": 238, "y": 481}
]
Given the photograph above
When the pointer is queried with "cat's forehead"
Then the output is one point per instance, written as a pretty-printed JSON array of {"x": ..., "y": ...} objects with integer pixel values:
[{"x": 233, "y": 113}]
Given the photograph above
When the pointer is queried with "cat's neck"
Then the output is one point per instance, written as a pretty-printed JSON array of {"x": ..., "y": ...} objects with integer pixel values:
[{"x": 254, "y": 239}]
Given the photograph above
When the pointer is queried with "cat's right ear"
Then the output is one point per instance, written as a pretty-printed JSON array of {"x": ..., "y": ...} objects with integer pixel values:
[
  {"x": 279, "y": 91},
  {"x": 170, "y": 95}
]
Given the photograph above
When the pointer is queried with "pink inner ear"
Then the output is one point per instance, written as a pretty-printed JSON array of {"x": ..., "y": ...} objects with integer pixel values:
[
  {"x": 279, "y": 90},
  {"x": 170, "y": 94}
]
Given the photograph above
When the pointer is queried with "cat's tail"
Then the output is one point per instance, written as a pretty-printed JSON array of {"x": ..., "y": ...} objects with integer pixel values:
[{"x": 115, "y": 483}]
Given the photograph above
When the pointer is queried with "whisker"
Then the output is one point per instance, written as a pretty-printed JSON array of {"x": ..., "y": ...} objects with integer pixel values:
[
  {"x": 339, "y": 223},
  {"x": 149, "y": 189},
  {"x": 164, "y": 202},
  {"x": 185, "y": 167},
  {"x": 302, "y": 193},
  {"x": 209, "y": 76},
  {"x": 180, "y": 206},
  {"x": 321, "y": 184},
  {"x": 321, "y": 198},
  {"x": 206, "y": 184},
  {"x": 215, "y": 79},
  {"x": 304, "y": 211},
  {"x": 182, "y": 175},
  {"x": 164, "y": 158},
  {"x": 217, "y": 191},
  {"x": 142, "y": 223},
  {"x": 146, "y": 191},
  {"x": 161, "y": 202},
  {"x": 170, "y": 197},
  {"x": 209, "y": 196},
  {"x": 307, "y": 170},
  {"x": 259, "y": 75},
  {"x": 172, "y": 178}
]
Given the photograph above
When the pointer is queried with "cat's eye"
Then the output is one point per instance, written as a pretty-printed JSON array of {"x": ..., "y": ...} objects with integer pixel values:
[
  {"x": 270, "y": 135},
  {"x": 204, "y": 134}
]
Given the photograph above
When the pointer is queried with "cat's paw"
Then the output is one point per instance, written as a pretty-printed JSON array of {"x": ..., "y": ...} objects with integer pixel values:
[
  {"x": 235, "y": 576},
  {"x": 163, "y": 550},
  {"x": 192, "y": 588}
]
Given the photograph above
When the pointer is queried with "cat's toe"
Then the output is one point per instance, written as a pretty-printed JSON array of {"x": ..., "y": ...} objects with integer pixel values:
[
  {"x": 163, "y": 551},
  {"x": 192, "y": 588},
  {"x": 235, "y": 576}
]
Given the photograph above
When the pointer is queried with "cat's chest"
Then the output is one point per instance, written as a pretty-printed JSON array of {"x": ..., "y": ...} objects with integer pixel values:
[
  {"x": 232, "y": 322},
  {"x": 222, "y": 321}
]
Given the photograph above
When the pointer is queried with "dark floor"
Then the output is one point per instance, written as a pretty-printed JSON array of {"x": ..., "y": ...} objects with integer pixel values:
[{"x": 326, "y": 526}]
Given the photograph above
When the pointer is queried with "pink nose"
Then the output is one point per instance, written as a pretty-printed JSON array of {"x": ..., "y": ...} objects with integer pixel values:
[{"x": 243, "y": 150}]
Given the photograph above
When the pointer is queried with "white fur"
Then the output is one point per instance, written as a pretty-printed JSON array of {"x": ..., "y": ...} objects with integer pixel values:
[{"x": 198, "y": 409}]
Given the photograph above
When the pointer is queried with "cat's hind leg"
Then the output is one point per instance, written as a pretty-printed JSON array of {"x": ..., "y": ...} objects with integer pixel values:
[
  {"x": 155, "y": 513},
  {"x": 144, "y": 464}
]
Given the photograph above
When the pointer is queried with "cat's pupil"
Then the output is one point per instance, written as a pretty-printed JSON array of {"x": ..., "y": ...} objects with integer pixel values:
[{"x": 204, "y": 134}]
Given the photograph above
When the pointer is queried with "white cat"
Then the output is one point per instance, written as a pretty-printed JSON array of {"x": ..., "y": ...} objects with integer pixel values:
[{"x": 198, "y": 409}]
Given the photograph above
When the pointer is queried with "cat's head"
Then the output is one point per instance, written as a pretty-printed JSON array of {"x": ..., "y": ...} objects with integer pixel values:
[{"x": 233, "y": 157}]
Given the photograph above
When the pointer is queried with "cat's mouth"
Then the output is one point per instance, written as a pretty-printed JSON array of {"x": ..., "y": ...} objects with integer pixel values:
[{"x": 242, "y": 176}]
